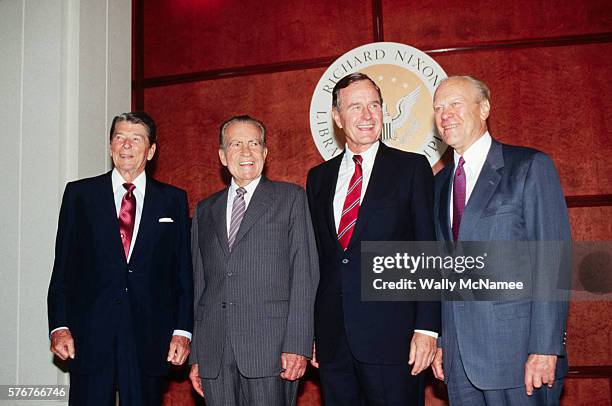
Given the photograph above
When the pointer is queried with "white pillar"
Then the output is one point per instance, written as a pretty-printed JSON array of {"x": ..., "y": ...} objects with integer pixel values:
[{"x": 65, "y": 71}]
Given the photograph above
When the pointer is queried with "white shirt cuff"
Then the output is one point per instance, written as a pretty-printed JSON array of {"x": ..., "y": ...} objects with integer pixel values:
[
  {"x": 182, "y": 333},
  {"x": 56, "y": 329},
  {"x": 427, "y": 333}
]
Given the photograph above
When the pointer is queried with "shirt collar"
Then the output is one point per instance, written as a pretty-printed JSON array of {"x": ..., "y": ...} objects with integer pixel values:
[
  {"x": 250, "y": 188},
  {"x": 476, "y": 154},
  {"x": 140, "y": 182},
  {"x": 368, "y": 155}
]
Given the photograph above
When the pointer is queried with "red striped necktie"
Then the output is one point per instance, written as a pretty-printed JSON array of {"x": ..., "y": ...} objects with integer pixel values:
[
  {"x": 127, "y": 217},
  {"x": 350, "y": 210}
]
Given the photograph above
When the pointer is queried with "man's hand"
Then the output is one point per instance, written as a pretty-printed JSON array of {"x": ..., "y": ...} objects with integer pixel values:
[
  {"x": 422, "y": 351},
  {"x": 62, "y": 344},
  {"x": 294, "y": 366},
  {"x": 196, "y": 381},
  {"x": 539, "y": 370},
  {"x": 179, "y": 350},
  {"x": 314, "y": 361},
  {"x": 438, "y": 365}
]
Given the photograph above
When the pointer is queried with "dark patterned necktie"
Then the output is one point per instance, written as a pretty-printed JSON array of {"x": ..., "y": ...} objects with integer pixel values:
[
  {"x": 238, "y": 209},
  {"x": 350, "y": 210},
  {"x": 458, "y": 198},
  {"x": 127, "y": 217}
]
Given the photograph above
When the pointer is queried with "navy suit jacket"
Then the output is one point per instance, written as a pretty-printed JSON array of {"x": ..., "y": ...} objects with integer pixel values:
[
  {"x": 517, "y": 197},
  {"x": 93, "y": 286},
  {"x": 397, "y": 206}
]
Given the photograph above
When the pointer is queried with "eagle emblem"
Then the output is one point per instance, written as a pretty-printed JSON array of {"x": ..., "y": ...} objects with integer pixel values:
[{"x": 403, "y": 106}]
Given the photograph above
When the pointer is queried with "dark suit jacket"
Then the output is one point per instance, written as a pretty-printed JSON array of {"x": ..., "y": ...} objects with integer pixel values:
[
  {"x": 517, "y": 197},
  {"x": 259, "y": 296},
  {"x": 398, "y": 206},
  {"x": 92, "y": 283}
]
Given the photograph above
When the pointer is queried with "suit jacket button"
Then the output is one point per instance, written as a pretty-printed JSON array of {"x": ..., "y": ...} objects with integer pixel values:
[
  {"x": 229, "y": 274},
  {"x": 126, "y": 289},
  {"x": 345, "y": 261}
]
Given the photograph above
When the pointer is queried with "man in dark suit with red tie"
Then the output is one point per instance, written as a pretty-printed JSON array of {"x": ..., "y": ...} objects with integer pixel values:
[
  {"x": 371, "y": 192},
  {"x": 120, "y": 301}
]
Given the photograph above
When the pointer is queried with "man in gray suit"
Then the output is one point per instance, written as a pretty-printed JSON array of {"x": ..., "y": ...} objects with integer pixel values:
[
  {"x": 255, "y": 277},
  {"x": 496, "y": 352}
]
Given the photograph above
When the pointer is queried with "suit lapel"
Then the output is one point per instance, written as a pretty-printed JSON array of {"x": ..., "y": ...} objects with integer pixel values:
[
  {"x": 483, "y": 190},
  {"x": 260, "y": 202},
  {"x": 108, "y": 217},
  {"x": 376, "y": 188},
  {"x": 445, "y": 203},
  {"x": 219, "y": 214},
  {"x": 146, "y": 229},
  {"x": 328, "y": 191}
]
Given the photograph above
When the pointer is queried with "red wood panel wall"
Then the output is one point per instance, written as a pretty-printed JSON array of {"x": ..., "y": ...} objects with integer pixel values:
[{"x": 198, "y": 62}]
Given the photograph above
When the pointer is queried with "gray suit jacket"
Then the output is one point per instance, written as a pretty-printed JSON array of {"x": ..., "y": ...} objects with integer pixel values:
[
  {"x": 517, "y": 197},
  {"x": 260, "y": 296}
]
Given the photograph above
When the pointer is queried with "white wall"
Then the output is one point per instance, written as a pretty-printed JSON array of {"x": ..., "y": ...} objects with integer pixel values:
[{"x": 65, "y": 71}]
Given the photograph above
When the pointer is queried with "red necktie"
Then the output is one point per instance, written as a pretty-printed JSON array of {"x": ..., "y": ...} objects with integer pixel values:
[
  {"x": 350, "y": 210},
  {"x": 458, "y": 198},
  {"x": 127, "y": 217}
]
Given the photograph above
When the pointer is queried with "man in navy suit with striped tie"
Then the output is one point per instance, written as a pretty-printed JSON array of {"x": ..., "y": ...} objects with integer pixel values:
[{"x": 372, "y": 352}]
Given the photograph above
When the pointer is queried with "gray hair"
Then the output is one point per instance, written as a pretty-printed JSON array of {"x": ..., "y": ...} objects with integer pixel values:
[
  {"x": 482, "y": 90},
  {"x": 241, "y": 119}
]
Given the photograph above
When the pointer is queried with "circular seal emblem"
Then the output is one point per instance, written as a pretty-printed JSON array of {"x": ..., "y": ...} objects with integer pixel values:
[{"x": 407, "y": 78}]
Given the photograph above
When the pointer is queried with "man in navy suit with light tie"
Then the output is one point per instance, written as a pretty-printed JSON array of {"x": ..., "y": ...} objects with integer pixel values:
[
  {"x": 371, "y": 192},
  {"x": 120, "y": 301},
  {"x": 497, "y": 352}
]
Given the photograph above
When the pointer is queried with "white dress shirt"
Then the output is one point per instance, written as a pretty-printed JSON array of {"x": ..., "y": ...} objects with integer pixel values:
[
  {"x": 139, "y": 193},
  {"x": 345, "y": 173},
  {"x": 231, "y": 194},
  {"x": 474, "y": 157},
  {"x": 347, "y": 168}
]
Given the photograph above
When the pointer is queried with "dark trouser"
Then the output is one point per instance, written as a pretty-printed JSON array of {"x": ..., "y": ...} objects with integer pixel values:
[
  {"x": 346, "y": 381},
  {"x": 462, "y": 392},
  {"x": 121, "y": 373},
  {"x": 100, "y": 389},
  {"x": 233, "y": 388}
]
